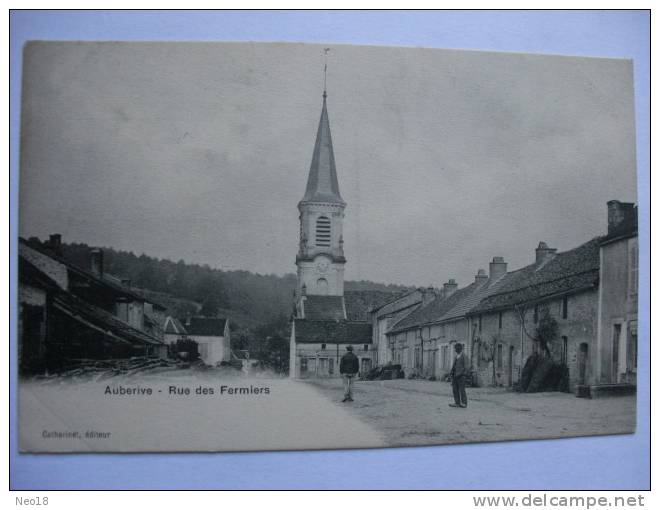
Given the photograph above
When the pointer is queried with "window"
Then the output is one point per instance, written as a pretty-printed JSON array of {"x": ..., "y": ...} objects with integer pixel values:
[
  {"x": 303, "y": 364},
  {"x": 633, "y": 267},
  {"x": 365, "y": 365},
  {"x": 499, "y": 320},
  {"x": 331, "y": 366},
  {"x": 564, "y": 350},
  {"x": 536, "y": 313},
  {"x": 322, "y": 286},
  {"x": 366, "y": 347},
  {"x": 323, "y": 231},
  {"x": 564, "y": 308},
  {"x": 499, "y": 356},
  {"x": 323, "y": 347}
]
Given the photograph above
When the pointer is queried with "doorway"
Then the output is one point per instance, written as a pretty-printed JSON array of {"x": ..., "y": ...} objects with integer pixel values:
[
  {"x": 616, "y": 339},
  {"x": 510, "y": 364},
  {"x": 583, "y": 357}
]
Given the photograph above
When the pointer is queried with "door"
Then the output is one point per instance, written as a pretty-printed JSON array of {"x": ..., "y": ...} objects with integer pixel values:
[
  {"x": 510, "y": 365},
  {"x": 432, "y": 355},
  {"x": 33, "y": 334},
  {"x": 616, "y": 337},
  {"x": 583, "y": 357},
  {"x": 323, "y": 367}
]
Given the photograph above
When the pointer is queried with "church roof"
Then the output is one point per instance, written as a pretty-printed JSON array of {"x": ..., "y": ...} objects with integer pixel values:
[
  {"x": 324, "y": 308},
  {"x": 332, "y": 332},
  {"x": 322, "y": 183}
]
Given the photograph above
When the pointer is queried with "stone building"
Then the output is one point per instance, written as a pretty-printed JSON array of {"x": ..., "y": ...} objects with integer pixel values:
[
  {"x": 385, "y": 316},
  {"x": 616, "y": 346},
  {"x": 589, "y": 292},
  {"x": 563, "y": 286}
]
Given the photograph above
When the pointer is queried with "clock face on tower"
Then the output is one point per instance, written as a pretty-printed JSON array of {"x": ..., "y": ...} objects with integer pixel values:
[{"x": 322, "y": 266}]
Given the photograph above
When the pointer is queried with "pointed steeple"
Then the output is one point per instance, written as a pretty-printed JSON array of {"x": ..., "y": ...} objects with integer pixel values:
[{"x": 322, "y": 183}]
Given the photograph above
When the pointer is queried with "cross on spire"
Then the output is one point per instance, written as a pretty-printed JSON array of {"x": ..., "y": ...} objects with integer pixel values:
[
  {"x": 325, "y": 73},
  {"x": 322, "y": 183}
]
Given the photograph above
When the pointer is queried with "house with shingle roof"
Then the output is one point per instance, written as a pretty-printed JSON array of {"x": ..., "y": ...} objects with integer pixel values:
[
  {"x": 67, "y": 313},
  {"x": 423, "y": 342},
  {"x": 558, "y": 285},
  {"x": 212, "y": 335}
]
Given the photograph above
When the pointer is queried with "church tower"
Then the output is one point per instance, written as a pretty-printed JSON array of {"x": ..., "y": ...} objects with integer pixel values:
[{"x": 320, "y": 258}]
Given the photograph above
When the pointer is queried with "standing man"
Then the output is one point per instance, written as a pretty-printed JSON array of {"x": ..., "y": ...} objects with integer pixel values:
[
  {"x": 459, "y": 372},
  {"x": 349, "y": 366}
]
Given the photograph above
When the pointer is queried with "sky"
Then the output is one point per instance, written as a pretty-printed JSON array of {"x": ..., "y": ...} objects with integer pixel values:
[{"x": 200, "y": 152}]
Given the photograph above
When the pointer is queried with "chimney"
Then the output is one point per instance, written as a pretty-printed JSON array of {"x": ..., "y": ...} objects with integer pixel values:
[
  {"x": 55, "y": 244},
  {"x": 619, "y": 214},
  {"x": 543, "y": 252},
  {"x": 481, "y": 277},
  {"x": 449, "y": 288},
  {"x": 497, "y": 268},
  {"x": 96, "y": 261},
  {"x": 428, "y": 295}
]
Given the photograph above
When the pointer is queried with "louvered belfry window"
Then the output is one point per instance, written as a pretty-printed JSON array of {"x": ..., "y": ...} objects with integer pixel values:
[{"x": 323, "y": 231}]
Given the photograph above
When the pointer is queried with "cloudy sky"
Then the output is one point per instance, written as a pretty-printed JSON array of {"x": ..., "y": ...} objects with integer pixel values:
[{"x": 200, "y": 152}]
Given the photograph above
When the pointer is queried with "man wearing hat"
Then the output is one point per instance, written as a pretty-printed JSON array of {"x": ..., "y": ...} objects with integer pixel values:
[
  {"x": 348, "y": 367},
  {"x": 459, "y": 372}
]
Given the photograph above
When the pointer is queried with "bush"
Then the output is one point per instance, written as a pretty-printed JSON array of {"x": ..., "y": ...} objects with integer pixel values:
[{"x": 541, "y": 373}]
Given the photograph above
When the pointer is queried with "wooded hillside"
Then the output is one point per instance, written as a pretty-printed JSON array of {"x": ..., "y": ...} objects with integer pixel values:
[{"x": 249, "y": 299}]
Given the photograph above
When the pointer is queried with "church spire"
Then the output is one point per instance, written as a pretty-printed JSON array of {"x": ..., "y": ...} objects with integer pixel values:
[{"x": 322, "y": 183}]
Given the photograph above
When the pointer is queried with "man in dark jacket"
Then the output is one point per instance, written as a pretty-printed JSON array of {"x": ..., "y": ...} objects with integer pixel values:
[
  {"x": 459, "y": 372},
  {"x": 348, "y": 367}
]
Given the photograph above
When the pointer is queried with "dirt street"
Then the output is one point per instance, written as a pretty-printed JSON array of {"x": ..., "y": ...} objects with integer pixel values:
[
  {"x": 416, "y": 412},
  {"x": 289, "y": 416}
]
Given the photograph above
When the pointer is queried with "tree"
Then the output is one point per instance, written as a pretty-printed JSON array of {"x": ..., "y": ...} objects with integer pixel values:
[
  {"x": 277, "y": 353},
  {"x": 546, "y": 331}
]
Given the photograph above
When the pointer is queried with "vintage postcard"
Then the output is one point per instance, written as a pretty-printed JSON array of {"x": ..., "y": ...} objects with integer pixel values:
[{"x": 252, "y": 246}]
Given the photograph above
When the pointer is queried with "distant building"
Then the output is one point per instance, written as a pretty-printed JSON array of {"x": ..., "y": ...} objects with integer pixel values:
[
  {"x": 616, "y": 347},
  {"x": 67, "y": 313},
  {"x": 424, "y": 341},
  {"x": 212, "y": 335},
  {"x": 173, "y": 330},
  {"x": 385, "y": 316}
]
